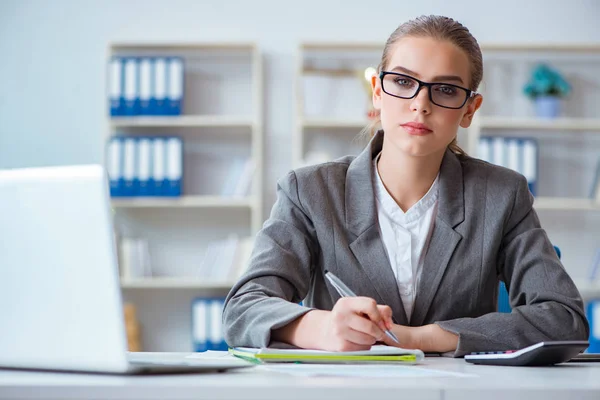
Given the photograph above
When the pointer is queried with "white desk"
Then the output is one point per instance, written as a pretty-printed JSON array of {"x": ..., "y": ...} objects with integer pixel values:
[{"x": 569, "y": 381}]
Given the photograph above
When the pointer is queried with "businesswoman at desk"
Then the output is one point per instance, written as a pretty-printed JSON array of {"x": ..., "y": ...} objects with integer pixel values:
[{"x": 420, "y": 231}]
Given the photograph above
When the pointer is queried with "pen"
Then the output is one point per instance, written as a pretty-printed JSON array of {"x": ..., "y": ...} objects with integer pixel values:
[{"x": 345, "y": 291}]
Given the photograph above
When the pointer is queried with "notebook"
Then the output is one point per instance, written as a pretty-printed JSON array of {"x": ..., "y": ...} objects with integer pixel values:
[{"x": 377, "y": 354}]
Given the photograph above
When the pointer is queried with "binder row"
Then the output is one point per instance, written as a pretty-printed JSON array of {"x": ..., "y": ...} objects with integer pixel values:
[
  {"x": 593, "y": 316},
  {"x": 207, "y": 326},
  {"x": 520, "y": 155},
  {"x": 145, "y": 166},
  {"x": 146, "y": 86}
]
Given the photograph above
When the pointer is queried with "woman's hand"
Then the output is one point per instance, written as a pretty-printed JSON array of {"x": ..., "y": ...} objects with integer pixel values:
[
  {"x": 430, "y": 338},
  {"x": 355, "y": 323}
]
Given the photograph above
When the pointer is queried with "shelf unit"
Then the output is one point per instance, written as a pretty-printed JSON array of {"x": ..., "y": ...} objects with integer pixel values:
[
  {"x": 221, "y": 121},
  {"x": 342, "y": 61}
]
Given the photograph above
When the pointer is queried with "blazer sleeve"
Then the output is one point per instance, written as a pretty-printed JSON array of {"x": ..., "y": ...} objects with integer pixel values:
[
  {"x": 278, "y": 276},
  {"x": 546, "y": 304}
]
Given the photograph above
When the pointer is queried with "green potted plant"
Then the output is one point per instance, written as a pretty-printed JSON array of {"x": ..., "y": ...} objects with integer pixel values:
[{"x": 546, "y": 87}]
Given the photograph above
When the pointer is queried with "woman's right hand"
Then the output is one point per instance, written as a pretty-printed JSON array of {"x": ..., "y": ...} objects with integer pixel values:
[{"x": 354, "y": 323}]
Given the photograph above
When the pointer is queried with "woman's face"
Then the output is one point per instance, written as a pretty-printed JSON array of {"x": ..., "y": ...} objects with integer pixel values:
[{"x": 428, "y": 60}]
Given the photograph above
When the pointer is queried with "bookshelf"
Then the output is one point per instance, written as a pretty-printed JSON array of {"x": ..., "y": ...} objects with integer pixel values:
[
  {"x": 221, "y": 121},
  {"x": 331, "y": 104}
]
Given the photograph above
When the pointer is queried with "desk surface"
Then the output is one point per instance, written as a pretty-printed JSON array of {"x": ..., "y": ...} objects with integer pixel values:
[{"x": 564, "y": 382}]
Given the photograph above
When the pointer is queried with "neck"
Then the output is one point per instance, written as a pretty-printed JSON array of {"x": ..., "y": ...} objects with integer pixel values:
[{"x": 408, "y": 178}]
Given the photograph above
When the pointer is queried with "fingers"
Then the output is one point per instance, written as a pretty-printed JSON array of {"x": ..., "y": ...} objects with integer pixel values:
[
  {"x": 365, "y": 327},
  {"x": 386, "y": 315},
  {"x": 364, "y": 315}
]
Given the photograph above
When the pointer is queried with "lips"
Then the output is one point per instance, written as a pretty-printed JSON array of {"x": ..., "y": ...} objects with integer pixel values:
[{"x": 416, "y": 128}]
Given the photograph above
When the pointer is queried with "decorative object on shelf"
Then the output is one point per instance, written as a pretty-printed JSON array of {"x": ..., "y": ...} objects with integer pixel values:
[
  {"x": 366, "y": 77},
  {"x": 132, "y": 327},
  {"x": 546, "y": 87}
]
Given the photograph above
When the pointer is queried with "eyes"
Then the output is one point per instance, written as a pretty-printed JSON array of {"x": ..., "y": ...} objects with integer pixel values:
[{"x": 441, "y": 89}]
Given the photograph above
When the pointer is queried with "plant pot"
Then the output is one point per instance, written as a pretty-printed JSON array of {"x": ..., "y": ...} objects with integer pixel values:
[{"x": 547, "y": 106}]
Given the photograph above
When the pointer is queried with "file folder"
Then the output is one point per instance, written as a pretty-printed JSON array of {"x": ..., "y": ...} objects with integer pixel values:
[
  {"x": 174, "y": 170},
  {"x": 129, "y": 161},
  {"x": 379, "y": 354},
  {"x": 207, "y": 326},
  {"x": 114, "y": 165},
  {"x": 158, "y": 177},
  {"x": 530, "y": 164},
  {"x": 144, "y": 166},
  {"x": 131, "y": 87},
  {"x": 199, "y": 325},
  {"x": 115, "y": 86},
  {"x": 145, "y": 69},
  {"x": 593, "y": 316},
  {"x": 159, "y": 103},
  {"x": 484, "y": 151},
  {"x": 175, "y": 86}
]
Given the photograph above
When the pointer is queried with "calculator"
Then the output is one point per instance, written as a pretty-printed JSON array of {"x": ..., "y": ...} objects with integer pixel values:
[{"x": 539, "y": 354}]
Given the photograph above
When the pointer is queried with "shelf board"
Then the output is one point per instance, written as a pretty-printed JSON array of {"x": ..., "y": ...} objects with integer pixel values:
[
  {"x": 182, "y": 121},
  {"x": 565, "y": 203},
  {"x": 173, "y": 283},
  {"x": 183, "y": 202},
  {"x": 571, "y": 124},
  {"x": 334, "y": 123},
  {"x": 182, "y": 46}
]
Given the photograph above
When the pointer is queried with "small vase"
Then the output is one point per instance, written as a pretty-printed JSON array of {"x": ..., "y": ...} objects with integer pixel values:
[{"x": 547, "y": 106}]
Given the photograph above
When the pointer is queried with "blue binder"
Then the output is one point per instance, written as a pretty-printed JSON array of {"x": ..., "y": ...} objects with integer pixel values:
[
  {"x": 131, "y": 85},
  {"x": 159, "y": 100},
  {"x": 114, "y": 165},
  {"x": 175, "y": 86},
  {"x": 129, "y": 167},
  {"x": 593, "y": 316},
  {"x": 115, "y": 86},
  {"x": 144, "y": 166},
  {"x": 174, "y": 163},
  {"x": 158, "y": 178},
  {"x": 146, "y": 85},
  {"x": 207, "y": 328}
]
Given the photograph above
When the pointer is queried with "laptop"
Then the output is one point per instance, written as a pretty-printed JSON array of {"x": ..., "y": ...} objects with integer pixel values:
[{"x": 60, "y": 297}]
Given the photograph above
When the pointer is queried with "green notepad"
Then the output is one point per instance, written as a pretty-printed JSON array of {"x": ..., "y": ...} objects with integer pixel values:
[{"x": 377, "y": 354}]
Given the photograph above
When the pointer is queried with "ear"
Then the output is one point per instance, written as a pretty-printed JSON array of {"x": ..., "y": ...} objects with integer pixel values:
[
  {"x": 472, "y": 107},
  {"x": 376, "y": 86}
]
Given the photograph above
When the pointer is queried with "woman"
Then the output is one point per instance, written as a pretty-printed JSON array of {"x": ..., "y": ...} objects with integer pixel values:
[{"x": 420, "y": 231}]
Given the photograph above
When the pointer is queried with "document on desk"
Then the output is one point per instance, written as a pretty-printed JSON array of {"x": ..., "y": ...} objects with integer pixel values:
[{"x": 376, "y": 355}]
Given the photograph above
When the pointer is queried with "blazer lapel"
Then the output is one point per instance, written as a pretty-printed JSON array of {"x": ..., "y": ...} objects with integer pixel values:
[
  {"x": 444, "y": 238},
  {"x": 361, "y": 219}
]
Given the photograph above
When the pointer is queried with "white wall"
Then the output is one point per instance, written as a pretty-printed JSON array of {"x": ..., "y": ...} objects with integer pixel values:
[{"x": 53, "y": 57}]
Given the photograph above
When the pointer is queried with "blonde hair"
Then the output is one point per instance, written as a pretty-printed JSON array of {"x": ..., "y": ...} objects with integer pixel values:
[{"x": 440, "y": 28}]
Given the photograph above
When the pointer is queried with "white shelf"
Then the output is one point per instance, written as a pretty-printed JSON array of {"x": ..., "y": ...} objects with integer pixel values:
[
  {"x": 334, "y": 123},
  {"x": 565, "y": 203},
  {"x": 183, "y": 46},
  {"x": 571, "y": 124},
  {"x": 173, "y": 283},
  {"x": 182, "y": 121},
  {"x": 184, "y": 202}
]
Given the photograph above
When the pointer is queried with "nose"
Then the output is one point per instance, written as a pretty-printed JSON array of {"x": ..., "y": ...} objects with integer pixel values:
[{"x": 420, "y": 103}]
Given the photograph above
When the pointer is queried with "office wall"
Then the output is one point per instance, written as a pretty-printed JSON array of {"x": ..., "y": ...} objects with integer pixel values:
[{"x": 53, "y": 55}]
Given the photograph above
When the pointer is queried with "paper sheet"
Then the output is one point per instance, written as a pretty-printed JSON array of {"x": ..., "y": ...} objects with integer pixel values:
[{"x": 362, "y": 371}]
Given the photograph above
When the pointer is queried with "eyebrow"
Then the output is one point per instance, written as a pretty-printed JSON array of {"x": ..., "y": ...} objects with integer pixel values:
[{"x": 437, "y": 78}]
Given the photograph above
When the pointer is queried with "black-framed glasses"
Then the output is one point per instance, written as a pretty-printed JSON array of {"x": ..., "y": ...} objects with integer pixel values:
[{"x": 441, "y": 94}]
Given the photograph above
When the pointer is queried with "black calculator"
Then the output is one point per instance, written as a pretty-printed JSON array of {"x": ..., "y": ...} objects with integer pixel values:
[{"x": 539, "y": 354}]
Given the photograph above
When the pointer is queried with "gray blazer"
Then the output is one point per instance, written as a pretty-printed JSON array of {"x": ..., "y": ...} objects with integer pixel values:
[{"x": 486, "y": 230}]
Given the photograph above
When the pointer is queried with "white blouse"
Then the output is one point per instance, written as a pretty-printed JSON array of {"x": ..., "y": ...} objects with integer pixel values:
[{"x": 406, "y": 236}]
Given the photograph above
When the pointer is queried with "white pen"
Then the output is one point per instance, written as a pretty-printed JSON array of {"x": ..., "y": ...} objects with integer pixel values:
[{"x": 345, "y": 291}]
